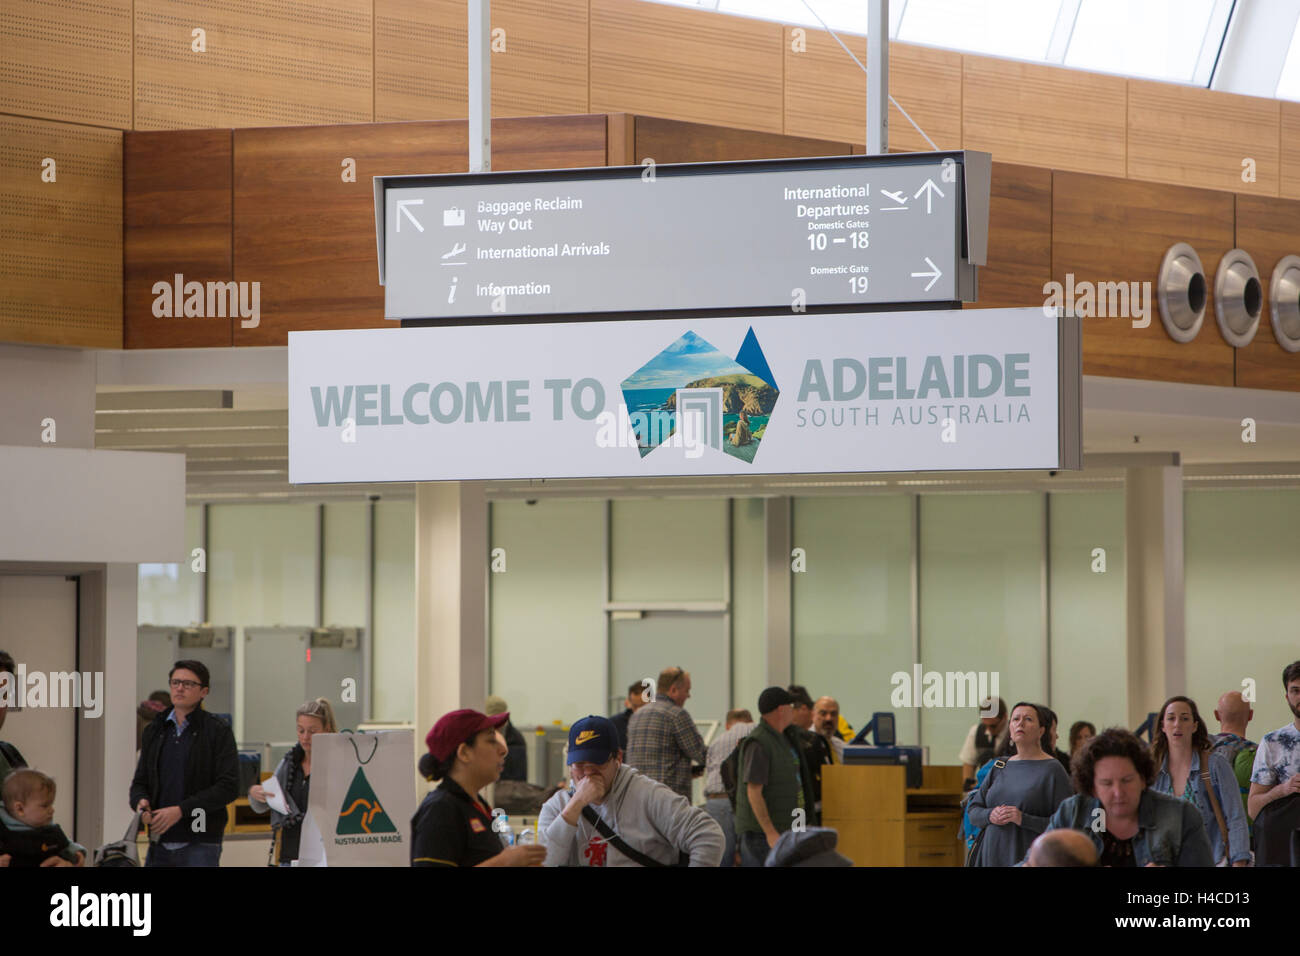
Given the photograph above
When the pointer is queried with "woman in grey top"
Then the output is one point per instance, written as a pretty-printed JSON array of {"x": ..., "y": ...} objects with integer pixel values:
[{"x": 1020, "y": 794}]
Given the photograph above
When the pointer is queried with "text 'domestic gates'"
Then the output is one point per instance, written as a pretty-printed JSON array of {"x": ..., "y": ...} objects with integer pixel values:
[{"x": 760, "y": 236}]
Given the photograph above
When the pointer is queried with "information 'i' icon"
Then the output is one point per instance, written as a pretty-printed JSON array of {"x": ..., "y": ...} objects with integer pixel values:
[{"x": 451, "y": 293}]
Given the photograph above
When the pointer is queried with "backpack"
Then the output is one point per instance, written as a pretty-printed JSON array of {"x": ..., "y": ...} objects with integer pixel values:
[
  {"x": 729, "y": 770},
  {"x": 1273, "y": 831}
]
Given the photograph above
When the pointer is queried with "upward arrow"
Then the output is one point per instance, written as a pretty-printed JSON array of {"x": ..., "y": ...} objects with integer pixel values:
[
  {"x": 402, "y": 210},
  {"x": 929, "y": 188}
]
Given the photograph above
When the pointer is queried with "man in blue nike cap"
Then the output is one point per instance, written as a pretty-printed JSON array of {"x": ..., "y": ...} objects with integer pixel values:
[{"x": 613, "y": 816}]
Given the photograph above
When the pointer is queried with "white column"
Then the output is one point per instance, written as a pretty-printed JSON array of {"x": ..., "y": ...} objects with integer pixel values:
[
  {"x": 776, "y": 592},
  {"x": 1153, "y": 545},
  {"x": 451, "y": 563}
]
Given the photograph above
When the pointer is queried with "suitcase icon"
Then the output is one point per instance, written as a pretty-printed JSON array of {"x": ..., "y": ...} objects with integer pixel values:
[{"x": 454, "y": 216}]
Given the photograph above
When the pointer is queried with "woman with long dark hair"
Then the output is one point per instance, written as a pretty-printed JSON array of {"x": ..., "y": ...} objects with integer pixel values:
[
  {"x": 1020, "y": 794},
  {"x": 1186, "y": 769},
  {"x": 293, "y": 775}
]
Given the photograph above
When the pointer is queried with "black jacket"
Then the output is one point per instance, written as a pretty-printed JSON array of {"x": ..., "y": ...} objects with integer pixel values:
[{"x": 211, "y": 776}]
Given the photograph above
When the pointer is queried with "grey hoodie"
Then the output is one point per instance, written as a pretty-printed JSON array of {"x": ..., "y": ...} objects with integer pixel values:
[{"x": 648, "y": 816}]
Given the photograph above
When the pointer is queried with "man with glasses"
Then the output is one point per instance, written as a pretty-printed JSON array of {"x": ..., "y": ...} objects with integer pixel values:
[{"x": 187, "y": 773}]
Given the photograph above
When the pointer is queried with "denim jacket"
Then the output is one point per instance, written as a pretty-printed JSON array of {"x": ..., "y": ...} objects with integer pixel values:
[
  {"x": 1164, "y": 823},
  {"x": 1225, "y": 786}
]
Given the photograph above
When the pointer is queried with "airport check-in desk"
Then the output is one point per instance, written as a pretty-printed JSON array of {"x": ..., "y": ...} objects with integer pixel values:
[{"x": 883, "y": 822}]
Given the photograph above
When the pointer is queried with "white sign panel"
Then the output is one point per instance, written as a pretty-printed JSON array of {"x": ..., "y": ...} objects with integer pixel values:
[{"x": 967, "y": 390}]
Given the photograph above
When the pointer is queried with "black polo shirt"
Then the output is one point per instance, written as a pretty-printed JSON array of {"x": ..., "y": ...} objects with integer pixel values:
[{"x": 452, "y": 829}]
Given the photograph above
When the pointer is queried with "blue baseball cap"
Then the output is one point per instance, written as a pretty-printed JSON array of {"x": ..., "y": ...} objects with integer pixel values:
[{"x": 592, "y": 740}]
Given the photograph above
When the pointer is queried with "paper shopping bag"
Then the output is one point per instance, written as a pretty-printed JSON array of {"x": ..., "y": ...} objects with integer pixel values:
[{"x": 362, "y": 798}]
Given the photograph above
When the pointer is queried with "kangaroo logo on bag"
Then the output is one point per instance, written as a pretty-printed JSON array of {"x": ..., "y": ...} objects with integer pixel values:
[{"x": 361, "y": 812}]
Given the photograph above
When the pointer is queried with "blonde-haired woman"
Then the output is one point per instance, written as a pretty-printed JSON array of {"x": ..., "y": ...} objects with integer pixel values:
[{"x": 294, "y": 777}]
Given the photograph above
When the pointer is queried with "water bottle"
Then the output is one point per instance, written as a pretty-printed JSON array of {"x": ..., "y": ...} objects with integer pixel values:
[
  {"x": 502, "y": 825},
  {"x": 527, "y": 837}
]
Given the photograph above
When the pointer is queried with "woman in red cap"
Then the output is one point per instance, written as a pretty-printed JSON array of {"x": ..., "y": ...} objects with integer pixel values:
[{"x": 453, "y": 826}]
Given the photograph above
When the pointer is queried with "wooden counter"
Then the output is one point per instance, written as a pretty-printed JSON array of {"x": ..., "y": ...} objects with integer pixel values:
[{"x": 882, "y": 822}]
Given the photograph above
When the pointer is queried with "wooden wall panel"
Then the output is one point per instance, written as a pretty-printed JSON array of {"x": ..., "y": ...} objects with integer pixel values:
[
  {"x": 1289, "y": 183},
  {"x": 61, "y": 241},
  {"x": 1116, "y": 230},
  {"x": 826, "y": 92},
  {"x": 690, "y": 65},
  {"x": 268, "y": 62},
  {"x": 177, "y": 218},
  {"x": 1044, "y": 116},
  {"x": 1020, "y": 238},
  {"x": 1268, "y": 229},
  {"x": 671, "y": 141},
  {"x": 1196, "y": 137},
  {"x": 421, "y": 63},
  {"x": 67, "y": 60},
  {"x": 309, "y": 238}
]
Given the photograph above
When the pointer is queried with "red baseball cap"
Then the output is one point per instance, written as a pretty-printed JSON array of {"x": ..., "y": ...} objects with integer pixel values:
[{"x": 458, "y": 727}]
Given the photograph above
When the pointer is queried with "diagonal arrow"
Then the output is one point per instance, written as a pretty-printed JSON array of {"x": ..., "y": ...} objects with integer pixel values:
[
  {"x": 935, "y": 274},
  {"x": 929, "y": 188},
  {"x": 401, "y": 208}
]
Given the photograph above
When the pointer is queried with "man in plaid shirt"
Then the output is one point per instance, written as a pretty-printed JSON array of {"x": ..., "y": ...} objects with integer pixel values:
[{"x": 662, "y": 741}]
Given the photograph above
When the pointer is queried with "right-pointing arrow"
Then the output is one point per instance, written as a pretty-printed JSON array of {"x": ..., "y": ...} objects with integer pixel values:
[
  {"x": 934, "y": 274},
  {"x": 402, "y": 210}
]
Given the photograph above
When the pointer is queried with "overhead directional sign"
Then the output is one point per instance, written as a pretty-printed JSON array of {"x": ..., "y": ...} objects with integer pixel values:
[{"x": 787, "y": 235}]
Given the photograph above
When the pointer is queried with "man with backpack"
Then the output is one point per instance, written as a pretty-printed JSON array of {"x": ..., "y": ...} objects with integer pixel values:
[
  {"x": 1275, "y": 779},
  {"x": 1234, "y": 713},
  {"x": 719, "y": 798},
  {"x": 773, "y": 774}
]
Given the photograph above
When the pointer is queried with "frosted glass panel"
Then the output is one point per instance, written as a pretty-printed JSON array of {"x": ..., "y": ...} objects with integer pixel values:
[
  {"x": 1089, "y": 614},
  {"x": 393, "y": 643},
  {"x": 669, "y": 549},
  {"x": 1288, "y": 82},
  {"x": 1015, "y": 28},
  {"x": 1242, "y": 553},
  {"x": 852, "y": 606},
  {"x": 261, "y": 571},
  {"x": 748, "y": 615},
  {"x": 1160, "y": 39},
  {"x": 345, "y": 564},
  {"x": 547, "y": 625},
  {"x": 262, "y": 564},
  {"x": 981, "y": 603},
  {"x": 172, "y": 593}
]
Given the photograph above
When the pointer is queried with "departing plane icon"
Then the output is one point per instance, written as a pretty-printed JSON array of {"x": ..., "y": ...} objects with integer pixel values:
[{"x": 898, "y": 197}]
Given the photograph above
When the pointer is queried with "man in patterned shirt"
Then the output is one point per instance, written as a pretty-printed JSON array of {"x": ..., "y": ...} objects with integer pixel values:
[
  {"x": 1277, "y": 761},
  {"x": 662, "y": 740}
]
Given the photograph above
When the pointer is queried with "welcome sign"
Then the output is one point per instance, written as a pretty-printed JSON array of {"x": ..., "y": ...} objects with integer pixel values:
[{"x": 992, "y": 389}]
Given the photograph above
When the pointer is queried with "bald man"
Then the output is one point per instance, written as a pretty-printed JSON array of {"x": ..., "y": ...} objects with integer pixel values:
[
  {"x": 1062, "y": 848},
  {"x": 826, "y": 720},
  {"x": 1234, "y": 713}
]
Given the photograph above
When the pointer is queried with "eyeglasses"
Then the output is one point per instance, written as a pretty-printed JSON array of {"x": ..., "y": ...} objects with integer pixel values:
[{"x": 187, "y": 684}]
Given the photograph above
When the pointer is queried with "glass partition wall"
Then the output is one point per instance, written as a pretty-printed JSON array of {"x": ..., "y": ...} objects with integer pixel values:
[{"x": 587, "y": 593}]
